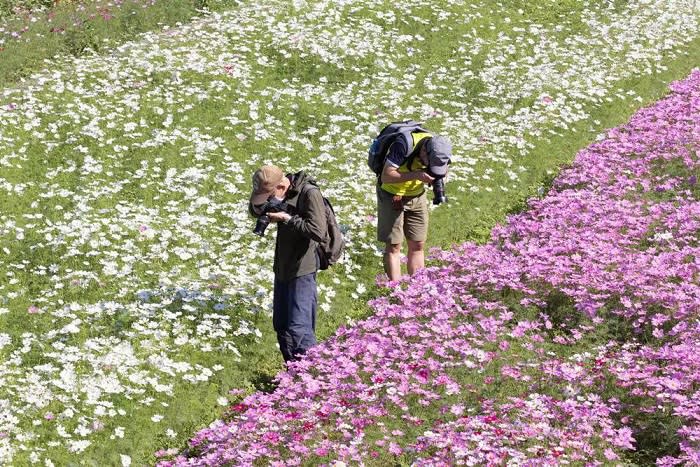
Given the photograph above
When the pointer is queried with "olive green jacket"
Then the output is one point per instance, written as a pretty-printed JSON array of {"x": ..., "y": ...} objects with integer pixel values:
[{"x": 295, "y": 249}]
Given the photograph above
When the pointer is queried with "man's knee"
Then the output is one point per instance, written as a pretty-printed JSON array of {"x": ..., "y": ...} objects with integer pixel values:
[
  {"x": 414, "y": 245},
  {"x": 392, "y": 248}
]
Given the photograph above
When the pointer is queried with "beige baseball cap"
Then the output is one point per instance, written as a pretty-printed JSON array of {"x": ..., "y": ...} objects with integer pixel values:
[{"x": 265, "y": 179}]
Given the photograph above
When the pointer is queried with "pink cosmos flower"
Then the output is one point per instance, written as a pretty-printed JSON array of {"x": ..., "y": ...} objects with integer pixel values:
[{"x": 395, "y": 449}]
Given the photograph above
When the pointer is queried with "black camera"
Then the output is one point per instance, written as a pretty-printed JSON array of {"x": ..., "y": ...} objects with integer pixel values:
[
  {"x": 439, "y": 195},
  {"x": 271, "y": 205},
  {"x": 438, "y": 184}
]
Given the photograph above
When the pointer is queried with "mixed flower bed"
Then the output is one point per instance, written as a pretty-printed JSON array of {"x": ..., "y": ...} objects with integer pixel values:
[
  {"x": 132, "y": 284},
  {"x": 571, "y": 337},
  {"x": 34, "y": 32}
]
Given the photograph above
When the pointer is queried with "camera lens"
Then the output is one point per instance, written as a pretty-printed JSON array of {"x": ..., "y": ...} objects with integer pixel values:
[
  {"x": 261, "y": 225},
  {"x": 439, "y": 191}
]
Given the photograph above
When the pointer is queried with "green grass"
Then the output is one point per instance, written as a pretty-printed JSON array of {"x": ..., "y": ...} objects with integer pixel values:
[
  {"x": 77, "y": 28},
  {"x": 452, "y": 223},
  {"x": 467, "y": 217}
]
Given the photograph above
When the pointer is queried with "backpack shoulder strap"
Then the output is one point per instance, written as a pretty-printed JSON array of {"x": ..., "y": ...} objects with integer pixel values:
[
  {"x": 312, "y": 185},
  {"x": 394, "y": 131},
  {"x": 407, "y": 135}
]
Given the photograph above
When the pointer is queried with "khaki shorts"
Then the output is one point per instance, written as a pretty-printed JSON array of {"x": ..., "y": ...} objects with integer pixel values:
[{"x": 393, "y": 224}]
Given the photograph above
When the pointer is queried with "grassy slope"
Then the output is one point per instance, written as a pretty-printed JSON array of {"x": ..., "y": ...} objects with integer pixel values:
[
  {"x": 448, "y": 228},
  {"x": 198, "y": 405},
  {"x": 261, "y": 362},
  {"x": 95, "y": 28}
]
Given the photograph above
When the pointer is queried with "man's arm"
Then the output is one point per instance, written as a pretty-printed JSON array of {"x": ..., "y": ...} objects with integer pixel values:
[
  {"x": 311, "y": 222},
  {"x": 391, "y": 174},
  {"x": 396, "y": 157}
]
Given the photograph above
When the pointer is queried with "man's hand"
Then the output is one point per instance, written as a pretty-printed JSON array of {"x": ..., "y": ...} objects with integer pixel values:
[
  {"x": 424, "y": 177},
  {"x": 391, "y": 174},
  {"x": 279, "y": 216}
]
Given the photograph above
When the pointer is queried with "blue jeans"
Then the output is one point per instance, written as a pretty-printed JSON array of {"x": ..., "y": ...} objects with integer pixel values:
[{"x": 294, "y": 315}]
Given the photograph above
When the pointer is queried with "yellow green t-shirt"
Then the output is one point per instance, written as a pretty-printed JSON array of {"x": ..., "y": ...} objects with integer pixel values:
[{"x": 410, "y": 187}]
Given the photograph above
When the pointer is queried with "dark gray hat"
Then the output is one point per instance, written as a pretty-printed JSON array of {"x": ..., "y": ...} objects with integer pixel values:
[{"x": 439, "y": 154}]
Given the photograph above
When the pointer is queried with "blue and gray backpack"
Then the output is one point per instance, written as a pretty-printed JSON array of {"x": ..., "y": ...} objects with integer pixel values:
[{"x": 381, "y": 143}]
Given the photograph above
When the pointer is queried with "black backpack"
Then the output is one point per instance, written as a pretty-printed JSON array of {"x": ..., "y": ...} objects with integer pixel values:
[
  {"x": 381, "y": 143},
  {"x": 331, "y": 249}
]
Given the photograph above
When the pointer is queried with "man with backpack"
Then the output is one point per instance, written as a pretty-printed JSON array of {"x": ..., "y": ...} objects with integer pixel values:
[
  {"x": 407, "y": 158},
  {"x": 294, "y": 202}
]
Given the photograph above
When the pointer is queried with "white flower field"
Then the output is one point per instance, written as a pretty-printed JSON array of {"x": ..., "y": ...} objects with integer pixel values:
[{"x": 128, "y": 264}]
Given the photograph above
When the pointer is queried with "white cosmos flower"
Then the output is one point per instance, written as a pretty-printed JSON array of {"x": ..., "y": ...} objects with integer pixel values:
[
  {"x": 5, "y": 339},
  {"x": 195, "y": 189},
  {"x": 77, "y": 446}
]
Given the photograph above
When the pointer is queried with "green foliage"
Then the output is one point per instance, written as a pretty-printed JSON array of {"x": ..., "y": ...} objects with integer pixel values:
[
  {"x": 560, "y": 309},
  {"x": 655, "y": 432},
  {"x": 74, "y": 29},
  {"x": 467, "y": 217},
  {"x": 10, "y": 8}
]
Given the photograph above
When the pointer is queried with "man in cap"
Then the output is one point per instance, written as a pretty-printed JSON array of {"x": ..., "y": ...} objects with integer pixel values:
[
  {"x": 402, "y": 204},
  {"x": 301, "y": 225}
]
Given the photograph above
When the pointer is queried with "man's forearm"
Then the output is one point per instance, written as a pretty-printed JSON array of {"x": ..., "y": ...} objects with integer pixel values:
[{"x": 394, "y": 176}]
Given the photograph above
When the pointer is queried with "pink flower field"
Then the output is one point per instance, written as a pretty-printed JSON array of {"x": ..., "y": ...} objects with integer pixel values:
[{"x": 571, "y": 337}]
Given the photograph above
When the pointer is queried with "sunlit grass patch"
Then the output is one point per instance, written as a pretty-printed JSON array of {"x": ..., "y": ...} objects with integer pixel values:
[
  {"x": 125, "y": 179},
  {"x": 33, "y": 31}
]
